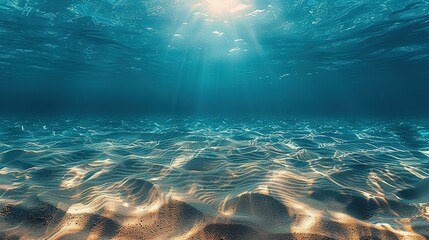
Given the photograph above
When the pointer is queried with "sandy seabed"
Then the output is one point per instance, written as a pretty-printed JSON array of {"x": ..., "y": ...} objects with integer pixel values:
[{"x": 213, "y": 179}]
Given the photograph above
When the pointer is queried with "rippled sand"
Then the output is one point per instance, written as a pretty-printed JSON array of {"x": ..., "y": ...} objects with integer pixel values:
[{"x": 214, "y": 179}]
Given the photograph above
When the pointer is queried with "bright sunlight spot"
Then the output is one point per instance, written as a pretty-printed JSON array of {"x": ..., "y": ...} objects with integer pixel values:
[{"x": 225, "y": 7}]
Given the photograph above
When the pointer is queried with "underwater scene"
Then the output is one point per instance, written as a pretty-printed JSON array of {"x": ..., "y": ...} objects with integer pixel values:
[{"x": 214, "y": 119}]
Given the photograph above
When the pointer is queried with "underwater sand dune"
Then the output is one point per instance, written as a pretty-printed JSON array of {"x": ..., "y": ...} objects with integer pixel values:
[{"x": 207, "y": 179}]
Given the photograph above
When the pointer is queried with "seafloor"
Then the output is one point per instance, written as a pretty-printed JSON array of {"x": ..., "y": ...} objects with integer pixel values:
[{"x": 214, "y": 179}]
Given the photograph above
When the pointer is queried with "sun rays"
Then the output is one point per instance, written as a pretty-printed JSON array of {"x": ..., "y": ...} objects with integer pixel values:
[
  {"x": 222, "y": 8},
  {"x": 212, "y": 43}
]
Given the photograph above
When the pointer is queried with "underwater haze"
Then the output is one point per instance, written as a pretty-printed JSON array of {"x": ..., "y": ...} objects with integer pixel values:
[
  {"x": 202, "y": 57},
  {"x": 214, "y": 119}
]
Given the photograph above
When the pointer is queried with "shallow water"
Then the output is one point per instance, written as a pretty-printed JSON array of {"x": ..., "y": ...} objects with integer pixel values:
[
  {"x": 201, "y": 178},
  {"x": 209, "y": 154}
]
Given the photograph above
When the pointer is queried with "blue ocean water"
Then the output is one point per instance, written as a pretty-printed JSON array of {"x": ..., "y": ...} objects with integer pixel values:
[
  {"x": 214, "y": 119},
  {"x": 215, "y": 57}
]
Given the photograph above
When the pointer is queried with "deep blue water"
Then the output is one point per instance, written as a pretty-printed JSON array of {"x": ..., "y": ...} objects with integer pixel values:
[
  {"x": 199, "y": 57},
  {"x": 214, "y": 119}
]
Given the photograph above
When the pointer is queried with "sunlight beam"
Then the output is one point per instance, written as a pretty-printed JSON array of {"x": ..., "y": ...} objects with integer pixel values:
[{"x": 225, "y": 7}]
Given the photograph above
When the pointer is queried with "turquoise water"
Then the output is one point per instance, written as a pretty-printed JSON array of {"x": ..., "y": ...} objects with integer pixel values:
[
  {"x": 232, "y": 178},
  {"x": 201, "y": 57},
  {"x": 214, "y": 119}
]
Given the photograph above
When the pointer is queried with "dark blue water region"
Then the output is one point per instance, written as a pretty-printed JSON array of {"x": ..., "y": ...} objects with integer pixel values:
[{"x": 215, "y": 57}]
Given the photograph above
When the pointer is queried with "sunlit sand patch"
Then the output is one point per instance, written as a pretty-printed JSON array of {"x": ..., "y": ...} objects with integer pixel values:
[
  {"x": 402, "y": 234},
  {"x": 416, "y": 171},
  {"x": 76, "y": 175},
  {"x": 374, "y": 180},
  {"x": 9, "y": 187},
  {"x": 388, "y": 176},
  {"x": 99, "y": 163},
  {"x": 425, "y": 152},
  {"x": 292, "y": 145},
  {"x": 222, "y": 207},
  {"x": 181, "y": 160},
  {"x": 356, "y": 228},
  {"x": 6, "y": 170},
  {"x": 305, "y": 224},
  {"x": 247, "y": 181},
  {"x": 289, "y": 183},
  {"x": 304, "y": 154},
  {"x": 68, "y": 227},
  {"x": 263, "y": 189}
]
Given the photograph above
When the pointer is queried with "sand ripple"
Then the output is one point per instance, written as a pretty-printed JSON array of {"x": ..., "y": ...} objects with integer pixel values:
[{"x": 213, "y": 179}]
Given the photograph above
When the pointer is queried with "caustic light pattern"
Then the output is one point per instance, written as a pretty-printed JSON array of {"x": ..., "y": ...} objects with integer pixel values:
[{"x": 214, "y": 179}]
